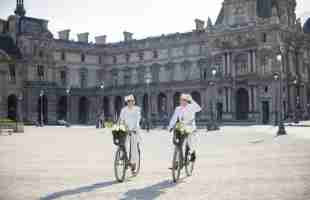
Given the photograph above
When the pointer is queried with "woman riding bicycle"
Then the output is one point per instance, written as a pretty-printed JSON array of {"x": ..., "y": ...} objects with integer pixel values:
[
  {"x": 185, "y": 113},
  {"x": 130, "y": 116}
]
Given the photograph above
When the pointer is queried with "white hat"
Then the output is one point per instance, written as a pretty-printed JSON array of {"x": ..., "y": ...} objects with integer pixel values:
[
  {"x": 186, "y": 97},
  {"x": 129, "y": 98}
]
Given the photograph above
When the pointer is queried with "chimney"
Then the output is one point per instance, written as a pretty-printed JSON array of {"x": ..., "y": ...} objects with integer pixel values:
[
  {"x": 83, "y": 37},
  {"x": 64, "y": 35},
  {"x": 101, "y": 39},
  {"x": 127, "y": 36},
  {"x": 199, "y": 25}
]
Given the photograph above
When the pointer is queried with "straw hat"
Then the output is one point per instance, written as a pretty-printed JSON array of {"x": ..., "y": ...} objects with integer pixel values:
[{"x": 129, "y": 98}]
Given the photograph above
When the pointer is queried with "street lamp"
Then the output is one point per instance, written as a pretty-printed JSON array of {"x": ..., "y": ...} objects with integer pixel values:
[
  {"x": 213, "y": 125},
  {"x": 68, "y": 90},
  {"x": 278, "y": 77},
  {"x": 148, "y": 80},
  {"x": 41, "y": 108}
]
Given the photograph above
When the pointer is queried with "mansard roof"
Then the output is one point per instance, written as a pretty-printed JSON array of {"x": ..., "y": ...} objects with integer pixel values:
[{"x": 7, "y": 44}]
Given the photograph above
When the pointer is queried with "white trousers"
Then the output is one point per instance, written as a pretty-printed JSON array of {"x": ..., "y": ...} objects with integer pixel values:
[
  {"x": 191, "y": 141},
  {"x": 133, "y": 140}
]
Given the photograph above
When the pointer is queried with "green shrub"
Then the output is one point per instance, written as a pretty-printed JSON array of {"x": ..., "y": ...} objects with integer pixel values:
[{"x": 7, "y": 120}]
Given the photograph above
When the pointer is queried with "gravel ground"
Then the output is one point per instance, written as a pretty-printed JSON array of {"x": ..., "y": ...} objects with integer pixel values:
[{"x": 237, "y": 163}]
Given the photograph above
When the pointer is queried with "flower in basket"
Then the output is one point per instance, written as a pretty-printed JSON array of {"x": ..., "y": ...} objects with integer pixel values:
[
  {"x": 119, "y": 129},
  {"x": 183, "y": 129}
]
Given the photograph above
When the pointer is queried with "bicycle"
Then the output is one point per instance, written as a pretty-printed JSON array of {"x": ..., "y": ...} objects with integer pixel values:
[
  {"x": 123, "y": 158},
  {"x": 179, "y": 159}
]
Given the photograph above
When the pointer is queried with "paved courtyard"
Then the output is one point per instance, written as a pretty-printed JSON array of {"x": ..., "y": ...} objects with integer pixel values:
[{"x": 237, "y": 163}]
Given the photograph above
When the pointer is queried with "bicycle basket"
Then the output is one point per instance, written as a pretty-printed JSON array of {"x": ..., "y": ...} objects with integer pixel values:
[
  {"x": 178, "y": 137},
  {"x": 119, "y": 138}
]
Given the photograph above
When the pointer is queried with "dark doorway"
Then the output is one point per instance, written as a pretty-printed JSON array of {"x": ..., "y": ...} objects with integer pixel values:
[
  {"x": 43, "y": 109},
  {"x": 62, "y": 108},
  {"x": 83, "y": 110},
  {"x": 12, "y": 107},
  {"x": 162, "y": 104},
  {"x": 242, "y": 104},
  {"x": 106, "y": 107},
  {"x": 265, "y": 109},
  {"x": 118, "y": 105},
  {"x": 197, "y": 97},
  {"x": 145, "y": 105},
  {"x": 219, "y": 111},
  {"x": 176, "y": 99}
]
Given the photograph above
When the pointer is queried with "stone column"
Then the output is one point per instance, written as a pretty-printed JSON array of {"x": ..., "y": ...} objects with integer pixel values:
[
  {"x": 254, "y": 61},
  {"x": 249, "y": 61},
  {"x": 224, "y": 63},
  {"x": 229, "y": 63},
  {"x": 170, "y": 103},
  {"x": 112, "y": 109}
]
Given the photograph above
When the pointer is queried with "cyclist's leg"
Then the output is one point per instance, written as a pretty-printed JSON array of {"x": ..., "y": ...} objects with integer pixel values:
[
  {"x": 134, "y": 148},
  {"x": 192, "y": 145}
]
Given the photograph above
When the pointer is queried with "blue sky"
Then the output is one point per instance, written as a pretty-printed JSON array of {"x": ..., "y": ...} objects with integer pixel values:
[{"x": 111, "y": 17}]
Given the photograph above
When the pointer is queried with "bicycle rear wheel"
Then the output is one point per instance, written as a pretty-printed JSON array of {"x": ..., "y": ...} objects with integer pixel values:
[
  {"x": 120, "y": 165},
  {"x": 189, "y": 165},
  {"x": 176, "y": 164}
]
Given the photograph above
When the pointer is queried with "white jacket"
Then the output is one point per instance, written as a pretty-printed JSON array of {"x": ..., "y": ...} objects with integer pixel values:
[
  {"x": 185, "y": 114},
  {"x": 131, "y": 117}
]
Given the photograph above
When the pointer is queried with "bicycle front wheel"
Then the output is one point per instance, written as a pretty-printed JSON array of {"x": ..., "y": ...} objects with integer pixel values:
[
  {"x": 120, "y": 165},
  {"x": 176, "y": 164}
]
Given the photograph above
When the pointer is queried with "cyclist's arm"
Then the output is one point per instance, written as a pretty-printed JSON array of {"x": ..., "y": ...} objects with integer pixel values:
[
  {"x": 173, "y": 120},
  {"x": 139, "y": 117},
  {"x": 194, "y": 106},
  {"x": 122, "y": 116}
]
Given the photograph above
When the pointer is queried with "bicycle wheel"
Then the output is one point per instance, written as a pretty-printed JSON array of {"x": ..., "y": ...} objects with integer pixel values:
[
  {"x": 138, "y": 164},
  {"x": 120, "y": 165},
  {"x": 176, "y": 164},
  {"x": 189, "y": 165}
]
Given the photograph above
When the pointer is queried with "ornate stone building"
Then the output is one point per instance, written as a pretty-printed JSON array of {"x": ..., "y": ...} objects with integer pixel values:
[{"x": 61, "y": 78}]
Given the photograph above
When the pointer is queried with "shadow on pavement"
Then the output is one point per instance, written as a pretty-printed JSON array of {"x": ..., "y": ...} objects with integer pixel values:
[
  {"x": 150, "y": 192},
  {"x": 79, "y": 190}
]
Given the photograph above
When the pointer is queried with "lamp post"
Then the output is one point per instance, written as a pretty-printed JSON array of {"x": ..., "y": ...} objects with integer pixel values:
[
  {"x": 297, "y": 102},
  {"x": 100, "y": 121},
  {"x": 19, "y": 108},
  {"x": 68, "y": 90},
  {"x": 278, "y": 77},
  {"x": 213, "y": 125},
  {"x": 41, "y": 108},
  {"x": 148, "y": 80}
]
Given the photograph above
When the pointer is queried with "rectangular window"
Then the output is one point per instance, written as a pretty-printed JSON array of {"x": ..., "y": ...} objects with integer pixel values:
[
  {"x": 63, "y": 56},
  {"x": 83, "y": 77},
  {"x": 99, "y": 60},
  {"x": 12, "y": 72},
  {"x": 63, "y": 77},
  {"x": 40, "y": 72}
]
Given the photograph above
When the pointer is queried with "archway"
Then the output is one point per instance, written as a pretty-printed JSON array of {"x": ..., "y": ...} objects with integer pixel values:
[
  {"x": 162, "y": 104},
  {"x": 242, "y": 104},
  {"x": 62, "y": 108},
  {"x": 83, "y": 110},
  {"x": 118, "y": 104},
  {"x": 12, "y": 107},
  {"x": 176, "y": 99},
  {"x": 43, "y": 109},
  {"x": 197, "y": 97},
  {"x": 106, "y": 107}
]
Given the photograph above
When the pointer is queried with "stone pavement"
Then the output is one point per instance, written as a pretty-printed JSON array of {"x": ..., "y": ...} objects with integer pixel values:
[{"x": 235, "y": 163}]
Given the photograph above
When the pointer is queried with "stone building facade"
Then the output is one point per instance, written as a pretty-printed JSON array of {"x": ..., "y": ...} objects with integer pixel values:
[{"x": 62, "y": 79}]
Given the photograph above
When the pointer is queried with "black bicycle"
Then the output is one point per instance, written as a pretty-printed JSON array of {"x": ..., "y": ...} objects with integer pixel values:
[
  {"x": 122, "y": 160},
  {"x": 181, "y": 159}
]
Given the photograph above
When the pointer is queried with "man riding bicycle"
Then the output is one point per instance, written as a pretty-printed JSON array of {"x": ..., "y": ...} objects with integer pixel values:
[
  {"x": 130, "y": 116},
  {"x": 185, "y": 113}
]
